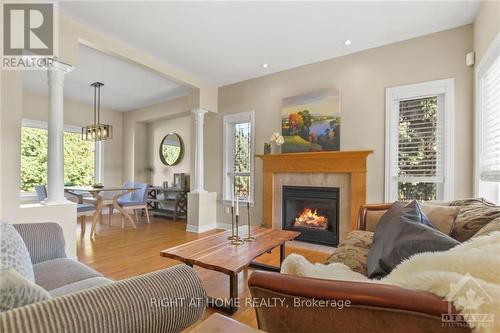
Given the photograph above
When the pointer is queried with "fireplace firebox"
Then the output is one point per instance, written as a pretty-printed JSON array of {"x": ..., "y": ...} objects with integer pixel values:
[{"x": 314, "y": 211}]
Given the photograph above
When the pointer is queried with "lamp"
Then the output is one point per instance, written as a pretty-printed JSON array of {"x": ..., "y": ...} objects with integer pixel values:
[{"x": 97, "y": 131}]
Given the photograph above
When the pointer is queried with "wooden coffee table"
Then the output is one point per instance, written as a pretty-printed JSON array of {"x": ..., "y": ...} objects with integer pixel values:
[{"x": 216, "y": 253}]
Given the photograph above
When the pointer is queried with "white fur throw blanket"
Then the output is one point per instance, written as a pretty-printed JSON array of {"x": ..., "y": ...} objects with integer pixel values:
[{"x": 467, "y": 275}]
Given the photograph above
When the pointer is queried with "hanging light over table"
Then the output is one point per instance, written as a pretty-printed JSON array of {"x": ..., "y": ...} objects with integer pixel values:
[{"x": 97, "y": 131}]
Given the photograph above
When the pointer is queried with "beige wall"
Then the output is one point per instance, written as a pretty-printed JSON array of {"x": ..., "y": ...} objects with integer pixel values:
[
  {"x": 135, "y": 158},
  {"x": 156, "y": 132},
  {"x": 486, "y": 27},
  {"x": 35, "y": 107},
  {"x": 140, "y": 152},
  {"x": 362, "y": 78}
]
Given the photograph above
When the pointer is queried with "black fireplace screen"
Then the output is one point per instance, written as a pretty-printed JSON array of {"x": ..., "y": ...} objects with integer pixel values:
[{"x": 314, "y": 211}]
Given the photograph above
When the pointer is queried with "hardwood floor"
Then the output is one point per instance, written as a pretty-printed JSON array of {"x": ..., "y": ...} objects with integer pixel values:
[{"x": 122, "y": 253}]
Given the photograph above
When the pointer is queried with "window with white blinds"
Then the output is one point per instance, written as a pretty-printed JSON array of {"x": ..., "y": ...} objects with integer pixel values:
[
  {"x": 238, "y": 157},
  {"x": 418, "y": 141},
  {"x": 490, "y": 106}
]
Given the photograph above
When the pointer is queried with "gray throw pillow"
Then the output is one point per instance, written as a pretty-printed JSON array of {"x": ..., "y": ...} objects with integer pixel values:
[
  {"x": 16, "y": 291},
  {"x": 401, "y": 233},
  {"x": 13, "y": 252}
]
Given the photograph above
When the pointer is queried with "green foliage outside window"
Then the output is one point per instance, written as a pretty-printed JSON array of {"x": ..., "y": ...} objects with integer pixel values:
[
  {"x": 241, "y": 159},
  {"x": 418, "y": 129},
  {"x": 78, "y": 159}
]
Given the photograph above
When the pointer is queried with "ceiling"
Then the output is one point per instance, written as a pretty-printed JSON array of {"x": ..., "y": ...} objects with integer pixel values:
[
  {"x": 227, "y": 42},
  {"x": 127, "y": 86}
]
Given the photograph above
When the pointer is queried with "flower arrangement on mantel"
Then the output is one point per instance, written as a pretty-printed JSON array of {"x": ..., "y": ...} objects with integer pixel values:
[{"x": 274, "y": 145}]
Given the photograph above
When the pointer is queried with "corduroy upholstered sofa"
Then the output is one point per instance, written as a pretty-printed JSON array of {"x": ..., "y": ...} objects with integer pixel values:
[
  {"x": 85, "y": 301},
  {"x": 375, "y": 307}
]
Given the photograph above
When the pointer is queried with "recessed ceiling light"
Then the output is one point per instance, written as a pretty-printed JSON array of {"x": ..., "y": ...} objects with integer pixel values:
[
  {"x": 347, "y": 42},
  {"x": 264, "y": 65}
]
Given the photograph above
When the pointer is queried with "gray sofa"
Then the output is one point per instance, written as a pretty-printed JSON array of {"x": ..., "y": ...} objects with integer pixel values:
[{"x": 85, "y": 301}]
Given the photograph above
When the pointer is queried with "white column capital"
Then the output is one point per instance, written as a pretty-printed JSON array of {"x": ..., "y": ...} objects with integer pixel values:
[
  {"x": 199, "y": 113},
  {"x": 57, "y": 66},
  {"x": 56, "y": 71}
]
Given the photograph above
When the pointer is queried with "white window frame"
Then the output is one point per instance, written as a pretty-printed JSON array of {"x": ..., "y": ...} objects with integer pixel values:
[
  {"x": 446, "y": 88},
  {"x": 99, "y": 151},
  {"x": 489, "y": 57},
  {"x": 228, "y": 122}
]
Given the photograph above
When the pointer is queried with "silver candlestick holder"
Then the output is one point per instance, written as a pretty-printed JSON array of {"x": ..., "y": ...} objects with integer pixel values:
[
  {"x": 249, "y": 238},
  {"x": 233, "y": 235},
  {"x": 237, "y": 240}
]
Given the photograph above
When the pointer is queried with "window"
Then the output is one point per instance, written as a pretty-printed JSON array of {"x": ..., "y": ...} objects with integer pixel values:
[
  {"x": 419, "y": 141},
  {"x": 488, "y": 124},
  {"x": 80, "y": 156},
  {"x": 238, "y": 155}
]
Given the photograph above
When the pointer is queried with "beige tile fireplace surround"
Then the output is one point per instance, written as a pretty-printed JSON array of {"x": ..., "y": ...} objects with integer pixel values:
[
  {"x": 340, "y": 180},
  {"x": 343, "y": 169}
]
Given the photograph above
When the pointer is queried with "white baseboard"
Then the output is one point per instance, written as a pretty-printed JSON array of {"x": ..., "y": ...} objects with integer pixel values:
[
  {"x": 224, "y": 226},
  {"x": 200, "y": 229}
]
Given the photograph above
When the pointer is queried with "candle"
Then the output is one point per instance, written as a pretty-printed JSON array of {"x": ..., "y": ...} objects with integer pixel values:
[{"x": 237, "y": 207}]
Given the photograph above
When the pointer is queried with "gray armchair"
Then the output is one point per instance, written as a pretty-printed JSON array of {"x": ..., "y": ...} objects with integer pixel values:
[{"x": 168, "y": 300}]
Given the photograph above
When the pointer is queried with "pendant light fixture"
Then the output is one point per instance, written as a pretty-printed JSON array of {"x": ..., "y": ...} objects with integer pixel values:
[{"x": 97, "y": 131}]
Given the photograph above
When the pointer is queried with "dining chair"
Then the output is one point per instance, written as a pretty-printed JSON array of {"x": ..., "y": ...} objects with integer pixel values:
[
  {"x": 41, "y": 192},
  {"x": 136, "y": 200},
  {"x": 82, "y": 209}
]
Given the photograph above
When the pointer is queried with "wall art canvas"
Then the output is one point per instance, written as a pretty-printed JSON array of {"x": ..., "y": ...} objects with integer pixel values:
[{"x": 311, "y": 122}]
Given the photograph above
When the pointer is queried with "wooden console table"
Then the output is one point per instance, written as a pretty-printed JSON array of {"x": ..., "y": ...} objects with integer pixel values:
[{"x": 216, "y": 253}]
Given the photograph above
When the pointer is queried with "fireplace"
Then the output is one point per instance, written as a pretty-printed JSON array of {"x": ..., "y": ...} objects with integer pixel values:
[{"x": 314, "y": 211}]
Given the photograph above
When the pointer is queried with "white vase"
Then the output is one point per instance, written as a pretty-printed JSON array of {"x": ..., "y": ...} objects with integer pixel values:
[{"x": 275, "y": 148}]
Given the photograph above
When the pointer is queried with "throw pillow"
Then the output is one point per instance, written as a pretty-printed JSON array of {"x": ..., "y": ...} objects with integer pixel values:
[
  {"x": 489, "y": 228},
  {"x": 374, "y": 218},
  {"x": 13, "y": 252},
  {"x": 474, "y": 214},
  {"x": 442, "y": 217},
  {"x": 353, "y": 251},
  {"x": 400, "y": 234},
  {"x": 16, "y": 291}
]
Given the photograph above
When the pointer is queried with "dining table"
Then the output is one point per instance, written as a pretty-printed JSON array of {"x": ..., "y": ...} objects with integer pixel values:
[{"x": 100, "y": 201}]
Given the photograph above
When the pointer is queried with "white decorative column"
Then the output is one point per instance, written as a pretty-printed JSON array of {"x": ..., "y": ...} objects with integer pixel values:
[
  {"x": 202, "y": 205},
  {"x": 55, "y": 153},
  {"x": 199, "y": 182}
]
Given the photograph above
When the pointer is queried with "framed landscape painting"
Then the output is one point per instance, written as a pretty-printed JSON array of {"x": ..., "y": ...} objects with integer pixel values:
[{"x": 311, "y": 122}]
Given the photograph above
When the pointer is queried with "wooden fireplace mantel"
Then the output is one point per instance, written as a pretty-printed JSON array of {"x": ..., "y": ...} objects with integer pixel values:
[{"x": 350, "y": 162}]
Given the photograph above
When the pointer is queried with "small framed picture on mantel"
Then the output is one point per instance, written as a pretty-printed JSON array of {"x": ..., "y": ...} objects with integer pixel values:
[{"x": 311, "y": 122}]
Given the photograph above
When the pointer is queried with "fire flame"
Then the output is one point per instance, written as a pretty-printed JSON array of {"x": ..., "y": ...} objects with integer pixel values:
[{"x": 311, "y": 218}]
